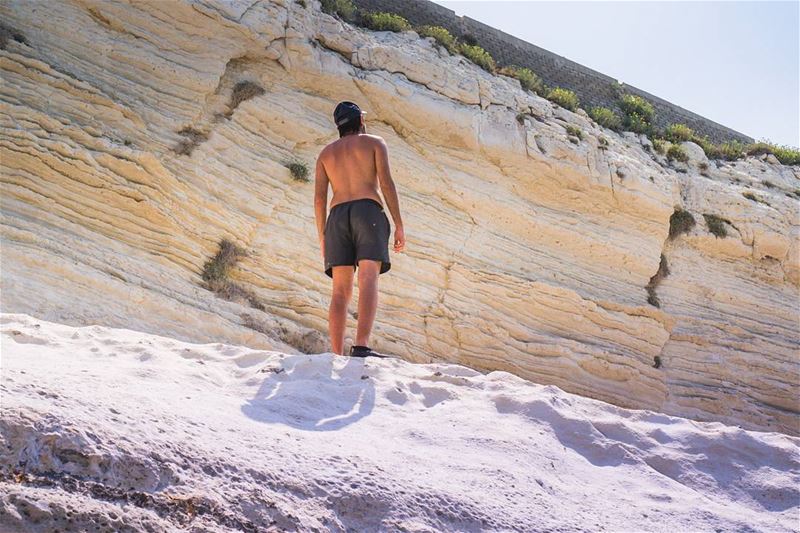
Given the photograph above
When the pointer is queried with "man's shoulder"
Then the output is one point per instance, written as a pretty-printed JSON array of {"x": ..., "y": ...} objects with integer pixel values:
[{"x": 374, "y": 138}]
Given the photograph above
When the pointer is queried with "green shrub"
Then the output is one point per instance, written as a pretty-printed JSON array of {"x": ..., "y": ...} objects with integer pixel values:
[
  {"x": 606, "y": 118},
  {"x": 574, "y": 131},
  {"x": 679, "y": 133},
  {"x": 478, "y": 55},
  {"x": 638, "y": 114},
  {"x": 716, "y": 225},
  {"x": 298, "y": 169},
  {"x": 440, "y": 35},
  {"x": 729, "y": 150},
  {"x": 659, "y": 145},
  {"x": 632, "y": 104},
  {"x": 563, "y": 97},
  {"x": 216, "y": 269},
  {"x": 680, "y": 222},
  {"x": 527, "y": 78},
  {"x": 215, "y": 275},
  {"x": 382, "y": 21},
  {"x": 784, "y": 153},
  {"x": 677, "y": 153},
  {"x": 637, "y": 124},
  {"x": 344, "y": 8}
]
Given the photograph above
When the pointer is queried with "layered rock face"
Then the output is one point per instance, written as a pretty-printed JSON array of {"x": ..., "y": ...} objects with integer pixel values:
[{"x": 129, "y": 150}]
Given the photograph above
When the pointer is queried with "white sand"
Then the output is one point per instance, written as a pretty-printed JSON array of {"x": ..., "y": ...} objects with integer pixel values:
[{"x": 111, "y": 429}]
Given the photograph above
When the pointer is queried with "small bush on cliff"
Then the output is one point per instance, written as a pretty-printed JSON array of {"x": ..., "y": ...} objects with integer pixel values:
[
  {"x": 216, "y": 270},
  {"x": 343, "y": 8},
  {"x": 680, "y": 222},
  {"x": 382, "y": 21},
  {"x": 639, "y": 114},
  {"x": 298, "y": 169},
  {"x": 716, "y": 225},
  {"x": 784, "y": 153},
  {"x": 606, "y": 118},
  {"x": 729, "y": 150},
  {"x": 478, "y": 55},
  {"x": 440, "y": 35},
  {"x": 677, "y": 153},
  {"x": 244, "y": 90},
  {"x": 660, "y": 145},
  {"x": 574, "y": 131},
  {"x": 563, "y": 97},
  {"x": 192, "y": 139},
  {"x": 661, "y": 273},
  {"x": 631, "y": 103},
  {"x": 678, "y": 133},
  {"x": 527, "y": 78}
]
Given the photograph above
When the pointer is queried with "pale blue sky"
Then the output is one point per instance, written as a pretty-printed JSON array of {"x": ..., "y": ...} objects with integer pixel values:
[{"x": 737, "y": 63}]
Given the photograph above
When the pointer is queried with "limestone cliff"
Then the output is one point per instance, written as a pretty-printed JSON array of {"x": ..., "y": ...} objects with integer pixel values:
[{"x": 127, "y": 157}]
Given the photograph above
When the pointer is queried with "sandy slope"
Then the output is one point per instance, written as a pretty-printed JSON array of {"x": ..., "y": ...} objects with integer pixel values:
[{"x": 111, "y": 429}]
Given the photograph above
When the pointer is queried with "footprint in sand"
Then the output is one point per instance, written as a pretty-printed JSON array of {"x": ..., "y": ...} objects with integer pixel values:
[
  {"x": 396, "y": 396},
  {"x": 430, "y": 395}
]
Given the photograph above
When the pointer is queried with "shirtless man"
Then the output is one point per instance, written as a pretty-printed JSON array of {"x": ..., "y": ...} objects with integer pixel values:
[{"x": 355, "y": 234}]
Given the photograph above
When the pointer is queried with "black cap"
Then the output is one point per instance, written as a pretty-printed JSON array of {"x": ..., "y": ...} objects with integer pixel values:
[{"x": 346, "y": 111}]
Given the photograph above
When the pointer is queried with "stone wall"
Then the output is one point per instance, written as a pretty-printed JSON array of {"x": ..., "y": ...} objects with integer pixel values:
[{"x": 593, "y": 88}]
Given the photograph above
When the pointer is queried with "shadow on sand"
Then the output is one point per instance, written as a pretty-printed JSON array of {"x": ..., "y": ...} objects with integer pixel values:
[{"x": 318, "y": 392}]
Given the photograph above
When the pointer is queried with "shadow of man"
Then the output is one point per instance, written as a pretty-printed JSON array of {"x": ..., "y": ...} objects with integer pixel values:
[{"x": 313, "y": 393}]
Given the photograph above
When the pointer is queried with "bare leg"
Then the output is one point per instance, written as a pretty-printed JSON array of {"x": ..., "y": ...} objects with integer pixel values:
[
  {"x": 368, "y": 271},
  {"x": 340, "y": 299}
]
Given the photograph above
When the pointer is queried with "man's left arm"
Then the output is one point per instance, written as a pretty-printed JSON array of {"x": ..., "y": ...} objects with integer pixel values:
[{"x": 321, "y": 201}]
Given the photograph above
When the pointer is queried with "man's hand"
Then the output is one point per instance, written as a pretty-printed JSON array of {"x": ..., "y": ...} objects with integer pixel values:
[{"x": 399, "y": 239}]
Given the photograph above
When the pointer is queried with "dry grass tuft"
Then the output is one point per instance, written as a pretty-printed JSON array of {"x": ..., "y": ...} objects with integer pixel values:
[
  {"x": 680, "y": 222},
  {"x": 216, "y": 271},
  {"x": 716, "y": 225},
  {"x": 193, "y": 139},
  {"x": 244, "y": 90}
]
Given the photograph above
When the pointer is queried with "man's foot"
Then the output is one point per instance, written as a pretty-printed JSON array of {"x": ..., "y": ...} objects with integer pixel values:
[{"x": 364, "y": 351}]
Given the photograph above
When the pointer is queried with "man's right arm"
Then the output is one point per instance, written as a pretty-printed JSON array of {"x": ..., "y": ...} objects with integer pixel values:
[{"x": 389, "y": 192}]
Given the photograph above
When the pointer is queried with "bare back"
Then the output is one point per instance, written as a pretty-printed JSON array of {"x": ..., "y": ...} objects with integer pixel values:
[{"x": 350, "y": 165}]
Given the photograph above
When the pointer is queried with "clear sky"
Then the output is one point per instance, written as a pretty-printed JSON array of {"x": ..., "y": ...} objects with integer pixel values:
[{"x": 737, "y": 63}]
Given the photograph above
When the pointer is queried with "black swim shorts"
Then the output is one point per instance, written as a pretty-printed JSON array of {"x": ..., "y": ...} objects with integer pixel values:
[{"x": 355, "y": 230}]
